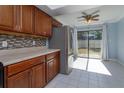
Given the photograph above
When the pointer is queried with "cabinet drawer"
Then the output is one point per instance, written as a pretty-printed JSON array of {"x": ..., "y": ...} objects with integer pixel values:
[
  {"x": 23, "y": 65},
  {"x": 50, "y": 56}
]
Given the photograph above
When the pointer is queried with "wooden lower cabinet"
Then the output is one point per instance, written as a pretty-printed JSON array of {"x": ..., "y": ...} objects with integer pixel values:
[
  {"x": 32, "y": 73},
  {"x": 52, "y": 66},
  {"x": 34, "y": 77},
  {"x": 21, "y": 80},
  {"x": 56, "y": 65},
  {"x": 38, "y": 76},
  {"x": 50, "y": 70}
]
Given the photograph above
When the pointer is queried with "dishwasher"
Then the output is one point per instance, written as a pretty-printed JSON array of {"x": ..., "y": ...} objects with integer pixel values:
[{"x": 1, "y": 75}]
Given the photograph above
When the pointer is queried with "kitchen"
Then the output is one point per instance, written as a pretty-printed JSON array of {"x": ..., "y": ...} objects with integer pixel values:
[
  {"x": 61, "y": 46},
  {"x": 29, "y": 57}
]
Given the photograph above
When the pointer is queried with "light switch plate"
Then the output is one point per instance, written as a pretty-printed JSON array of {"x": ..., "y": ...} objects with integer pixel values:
[
  {"x": 33, "y": 42},
  {"x": 4, "y": 43}
]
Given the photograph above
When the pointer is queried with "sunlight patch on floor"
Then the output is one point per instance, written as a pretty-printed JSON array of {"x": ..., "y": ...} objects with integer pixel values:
[
  {"x": 80, "y": 64},
  {"x": 97, "y": 66},
  {"x": 91, "y": 65}
]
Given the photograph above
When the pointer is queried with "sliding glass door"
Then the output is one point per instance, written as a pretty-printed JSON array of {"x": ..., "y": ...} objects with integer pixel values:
[
  {"x": 95, "y": 38},
  {"x": 83, "y": 44},
  {"x": 89, "y": 44}
]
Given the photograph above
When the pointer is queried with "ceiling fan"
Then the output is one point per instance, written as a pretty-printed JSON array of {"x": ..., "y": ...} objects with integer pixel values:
[{"x": 88, "y": 18}]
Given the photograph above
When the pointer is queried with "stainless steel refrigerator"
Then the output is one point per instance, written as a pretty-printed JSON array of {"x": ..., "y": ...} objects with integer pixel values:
[{"x": 62, "y": 38}]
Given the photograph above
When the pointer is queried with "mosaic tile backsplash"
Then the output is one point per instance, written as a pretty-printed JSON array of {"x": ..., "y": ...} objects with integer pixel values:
[{"x": 21, "y": 41}]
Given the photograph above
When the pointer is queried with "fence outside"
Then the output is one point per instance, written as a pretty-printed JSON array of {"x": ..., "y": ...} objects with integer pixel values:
[{"x": 92, "y": 43}]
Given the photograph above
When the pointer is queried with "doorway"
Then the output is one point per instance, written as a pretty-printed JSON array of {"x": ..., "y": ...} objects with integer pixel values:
[{"x": 89, "y": 44}]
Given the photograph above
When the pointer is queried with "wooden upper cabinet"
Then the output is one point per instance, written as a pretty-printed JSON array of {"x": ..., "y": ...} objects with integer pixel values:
[
  {"x": 34, "y": 73},
  {"x": 25, "y": 18},
  {"x": 7, "y": 15},
  {"x": 18, "y": 18},
  {"x": 43, "y": 23},
  {"x": 56, "y": 23},
  {"x": 20, "y": 80}
]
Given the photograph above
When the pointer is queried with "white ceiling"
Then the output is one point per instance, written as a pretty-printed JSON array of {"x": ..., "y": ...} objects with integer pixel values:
[
  {"x": 68, "y": 14},
  {"x": 56, "y": 10},
  {"x": 55, "y": 6}
]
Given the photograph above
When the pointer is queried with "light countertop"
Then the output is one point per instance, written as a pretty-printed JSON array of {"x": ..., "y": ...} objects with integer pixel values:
[{"x": 12, "y": 56}]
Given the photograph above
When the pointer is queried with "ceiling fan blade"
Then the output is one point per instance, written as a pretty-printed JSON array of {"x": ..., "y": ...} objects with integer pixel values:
[
  {"x": 95, "y": 16},
  {"x": 95, "y": 12},
  {"x": 81, "y": 20},
  {"x": 79, "y": 17},
  {"x": 95, "y": 19},
  {"x": 84, "y": 13},
  {"x": 82, "y": 17}
]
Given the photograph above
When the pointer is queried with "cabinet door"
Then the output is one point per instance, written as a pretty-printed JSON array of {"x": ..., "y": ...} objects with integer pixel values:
[
  {"x": 56, "y": 64},
  {"x": 26, "y": 18},
  {"x": 38, "y": 76},
  {"x": 7, "y": 15},
  {"x": 48, "y": 24},
  {"x": 50, "y": 70},
  {"x": 43, "y": 24},
  {"x": 21, "y": 80}
]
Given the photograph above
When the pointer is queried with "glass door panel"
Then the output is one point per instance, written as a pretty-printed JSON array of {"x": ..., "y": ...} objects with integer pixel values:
[
  {"x": 83, "y": 44},
  {"x": 95, "y": 38}
]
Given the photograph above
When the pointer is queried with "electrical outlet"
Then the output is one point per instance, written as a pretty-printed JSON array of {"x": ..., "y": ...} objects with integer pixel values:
[
  {"x": 4, "y": 43},
  {"x": 33, "y": 43}
]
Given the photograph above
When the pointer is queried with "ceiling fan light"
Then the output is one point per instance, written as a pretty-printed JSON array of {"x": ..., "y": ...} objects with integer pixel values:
[
  {"x": 88, "y": 21},
  {"x": 89, "y": 18}
]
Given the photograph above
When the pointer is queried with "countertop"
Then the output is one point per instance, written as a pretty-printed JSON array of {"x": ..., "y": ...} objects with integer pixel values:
[{"x": 12, "y": 56}]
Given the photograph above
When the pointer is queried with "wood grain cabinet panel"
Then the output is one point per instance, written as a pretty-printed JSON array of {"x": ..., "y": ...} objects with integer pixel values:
[
  {"x": 50, "y": 70},
  {"x": 50, "y": 56},
  {"x": 43, "y": 25},
  {"x": 26, "y": 19},
  {"x": 18, "y": 18},
  {"x": 31, "y": 75},
  {"x": 20, "y": 80},
  {"x": 52, "y": 65},
  {"x": 56, "y": 64},
  {"x": 7, "y": 15},
  {"x": 23, "y": 65},
  {"x": 38, "y": 76}
]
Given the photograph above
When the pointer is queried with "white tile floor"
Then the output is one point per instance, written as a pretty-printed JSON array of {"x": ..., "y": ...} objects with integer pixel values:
[{"x": 91, "y": 73}]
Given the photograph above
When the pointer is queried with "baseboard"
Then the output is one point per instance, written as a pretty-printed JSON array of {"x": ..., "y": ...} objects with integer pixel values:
[
  {"x": 116, "y": 60},
  {"x": 120, "y": 62},
  {"x": 113, "y": 60}
]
